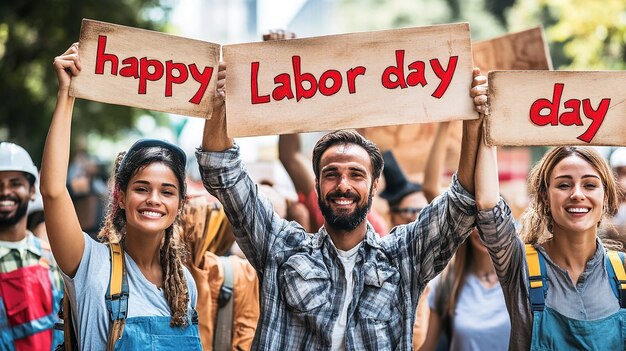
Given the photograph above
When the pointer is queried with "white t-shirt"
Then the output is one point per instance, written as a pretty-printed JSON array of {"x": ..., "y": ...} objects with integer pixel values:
[
  {"x": 16, "y": 245},
  {"x": 481, "y": 321},
  {"x": 348, "y": 258},
  {"x": 89, "y": 286}
]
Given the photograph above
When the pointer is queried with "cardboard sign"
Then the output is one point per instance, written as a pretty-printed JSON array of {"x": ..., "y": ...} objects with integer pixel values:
[
  {"x": 516, "y": 51},
  {"x": 135, "y": 67},
  {"x": 349, "y": 81},
  {"x": 557, "y": 108}
]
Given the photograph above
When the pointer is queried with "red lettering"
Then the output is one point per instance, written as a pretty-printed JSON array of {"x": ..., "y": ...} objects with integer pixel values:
[
  {"x": 571, "y": 117},
  {"x": 397, "y": 71},
  {"x": 203, "y": 78},
  {"x": 337, "y": 81},
  {"x": 170, "y": 79},
  {"x": 299, "y": 77},
  {"x": 417, "y": 77},
  {"x": 596, "y": 116},
  {"x": 102, "y": 58},
  {"x": 284, "y": 90},
  {"x": 145, "y": 75},
  {"x": 153, "y": 70},
  {"x": 553, "y": 106},
  {"x": 256, "y": 99},
  {"x": 131, "y": 69},
  {"x": 352, "y": 74},
  {"x": 444, "y": 75}
]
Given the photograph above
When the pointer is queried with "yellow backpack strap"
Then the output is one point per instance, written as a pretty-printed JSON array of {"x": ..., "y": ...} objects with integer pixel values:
[
  {"x": 117, "y": 295},
  {"x": 537, "y": 285},
  {"x": 212, "y": 226},
  {"x": 617, "y": 275},
  {"x": 70, "y": 342}
]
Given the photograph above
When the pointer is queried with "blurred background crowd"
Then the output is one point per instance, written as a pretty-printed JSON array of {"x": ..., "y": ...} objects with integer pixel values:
[
  {"x": 581, "y": 35},
  {"x": 587, "y": 35}
]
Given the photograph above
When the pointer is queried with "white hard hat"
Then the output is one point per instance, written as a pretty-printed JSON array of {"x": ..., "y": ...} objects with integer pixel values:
[
  {"x": 14, "y": 158},
  {"x": 618, "y": 158}
]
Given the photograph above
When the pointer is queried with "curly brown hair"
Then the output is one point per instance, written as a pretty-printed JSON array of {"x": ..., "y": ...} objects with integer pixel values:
[{"x": 172, "y": 252}]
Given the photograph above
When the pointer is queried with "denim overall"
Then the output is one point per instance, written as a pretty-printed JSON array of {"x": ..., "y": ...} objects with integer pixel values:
[
  {"x": 553, "y": 331},
  {"x": 154, "y": 332},
  {"x": 29, "y": 304}
]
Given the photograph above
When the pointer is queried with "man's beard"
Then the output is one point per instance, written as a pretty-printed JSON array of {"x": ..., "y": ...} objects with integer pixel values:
[
  {"x": 345, "y": 222},
  {"x": 6, "y": 220}
]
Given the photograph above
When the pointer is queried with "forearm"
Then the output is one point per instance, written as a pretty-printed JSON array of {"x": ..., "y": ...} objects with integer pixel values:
[
  {"x": 486, "y": 182},
  {"x": 298, "y": 168},
  {"x": 55, "y": 159},
  {"x": 497, "y": 231},
  {"x": 469, "y": 149},
  {"x": 434, "y": 163},
  {"x": 442, "y": 226},
  {"x": 215, "y": 137}
]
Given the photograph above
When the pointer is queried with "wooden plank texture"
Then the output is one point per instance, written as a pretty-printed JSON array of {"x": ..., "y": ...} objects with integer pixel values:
[
  {"x": 525, "y": 50},
  {"x": 557, "y": 108},
  {"x": 359, "y": 87},
  {"x": 140, "y": 68},
  {"x": 522, "y": 50}
]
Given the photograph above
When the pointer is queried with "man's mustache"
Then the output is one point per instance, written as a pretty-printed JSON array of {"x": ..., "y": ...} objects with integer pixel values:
[{"x": 345, "y": 195}]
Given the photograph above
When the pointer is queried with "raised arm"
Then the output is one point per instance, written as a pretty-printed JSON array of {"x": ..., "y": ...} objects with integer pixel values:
[
  {"x": 486, "y": 176},
  {"x": 471, "y": 131},
  {"x": 434, "y": 163},
  {"x": 248, "y": 210},
  {"x": 296, "y": 165},
  {"x": 64, "y": 231},
  {"x": 215, "y": 137}
]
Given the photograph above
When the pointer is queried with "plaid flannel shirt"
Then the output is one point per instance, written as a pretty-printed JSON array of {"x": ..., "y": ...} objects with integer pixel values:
[
  {"x": 301, "y": 277},
  {"x": 12, "y": 259}
]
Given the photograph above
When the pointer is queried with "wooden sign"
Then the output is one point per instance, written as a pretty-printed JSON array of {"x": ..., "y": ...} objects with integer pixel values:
[
  {"x": 349, "y": 81},
  {"x": 557, "y": 108},
  {"x": 523, "y": 50},
  {"x": 135, "y": 67}
]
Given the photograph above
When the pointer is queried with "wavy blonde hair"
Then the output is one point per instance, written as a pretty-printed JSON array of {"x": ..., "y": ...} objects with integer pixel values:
[{"x": 537, "y": 219}]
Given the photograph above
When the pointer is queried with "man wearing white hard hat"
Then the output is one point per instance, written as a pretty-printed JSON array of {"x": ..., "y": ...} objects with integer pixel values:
[{"x": 30, "y": 285}]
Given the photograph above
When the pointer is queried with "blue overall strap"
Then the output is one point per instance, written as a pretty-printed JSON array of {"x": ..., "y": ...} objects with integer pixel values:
[
  {"x": 537, "y": 284},
  {"x": 617, "y": 275},
  {"x": 117, "y": 294},
  {"x": 47, "y": 259}
]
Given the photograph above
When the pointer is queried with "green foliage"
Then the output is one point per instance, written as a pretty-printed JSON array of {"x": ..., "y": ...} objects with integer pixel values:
[
  {"x": 32, "y": 33},
  {"x": 368, "y": 15},
  {"x": 583, "y": 34}
]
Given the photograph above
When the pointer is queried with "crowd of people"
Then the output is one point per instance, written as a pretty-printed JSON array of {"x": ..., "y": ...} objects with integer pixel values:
[{"x": 448, "y": 267}]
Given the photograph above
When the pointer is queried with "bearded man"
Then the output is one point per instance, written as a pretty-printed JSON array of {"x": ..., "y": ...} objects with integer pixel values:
[
  {"x": 343, "y": 287},
  {"x": 30, "y": 285}
]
